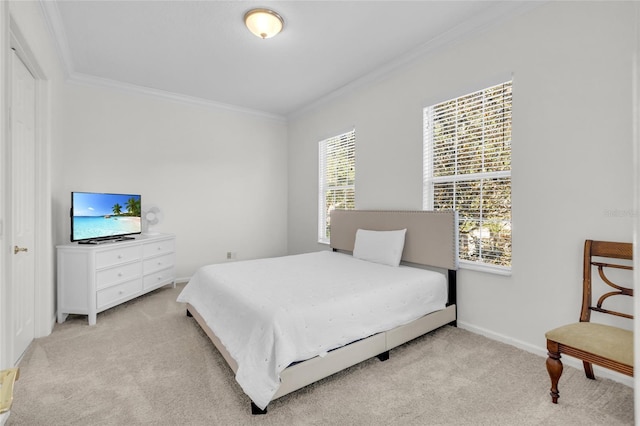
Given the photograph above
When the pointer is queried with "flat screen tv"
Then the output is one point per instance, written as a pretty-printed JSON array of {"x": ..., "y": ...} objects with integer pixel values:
[{"x": 98, "y": 217}]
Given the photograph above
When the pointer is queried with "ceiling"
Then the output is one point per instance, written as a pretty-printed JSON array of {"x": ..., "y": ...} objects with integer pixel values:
[{"x": 200, "y": 51}]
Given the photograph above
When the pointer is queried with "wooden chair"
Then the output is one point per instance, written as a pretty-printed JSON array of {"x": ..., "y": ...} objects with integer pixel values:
[{"x": 604, "y": 345}]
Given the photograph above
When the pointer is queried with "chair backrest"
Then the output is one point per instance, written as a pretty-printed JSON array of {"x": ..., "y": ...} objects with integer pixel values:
[{"x": 607, "y": 253}]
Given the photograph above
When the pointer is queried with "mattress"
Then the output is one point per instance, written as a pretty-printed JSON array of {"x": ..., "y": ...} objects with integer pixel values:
[{"x": 270, "y": 313}]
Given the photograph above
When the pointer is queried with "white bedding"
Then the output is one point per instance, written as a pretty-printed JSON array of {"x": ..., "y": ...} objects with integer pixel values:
[{"x": 269, "y": 313}]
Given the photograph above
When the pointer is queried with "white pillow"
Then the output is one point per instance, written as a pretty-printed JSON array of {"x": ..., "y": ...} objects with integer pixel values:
[{"x": 379, "y": 246}]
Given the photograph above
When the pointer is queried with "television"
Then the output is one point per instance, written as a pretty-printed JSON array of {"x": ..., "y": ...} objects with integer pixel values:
[{"x": 101, "y": 217}]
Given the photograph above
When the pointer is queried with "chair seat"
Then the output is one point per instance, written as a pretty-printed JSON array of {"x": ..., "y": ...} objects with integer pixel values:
[{"x": 607, "y": 341}]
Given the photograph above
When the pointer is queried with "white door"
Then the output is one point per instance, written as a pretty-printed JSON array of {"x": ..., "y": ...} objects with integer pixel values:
[{"x": 22, "y": 147}]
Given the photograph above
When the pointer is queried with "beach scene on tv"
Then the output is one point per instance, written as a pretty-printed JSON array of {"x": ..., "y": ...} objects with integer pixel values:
[{"x": 105, "y": 215}]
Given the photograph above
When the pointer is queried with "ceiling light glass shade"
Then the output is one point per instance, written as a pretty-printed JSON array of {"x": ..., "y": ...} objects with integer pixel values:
[{"x": 264, "y": 23}]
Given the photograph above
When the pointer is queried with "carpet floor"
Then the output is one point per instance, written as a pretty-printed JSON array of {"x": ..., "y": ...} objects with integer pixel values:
[{"x": 147, "y": 363}]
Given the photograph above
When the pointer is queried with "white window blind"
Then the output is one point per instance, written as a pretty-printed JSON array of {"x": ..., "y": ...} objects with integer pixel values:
[
  {"x": 336, "y": 180},
  {"x": 467, "y": 167}
]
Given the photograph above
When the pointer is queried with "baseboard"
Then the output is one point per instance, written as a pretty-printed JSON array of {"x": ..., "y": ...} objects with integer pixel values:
[{"x": 542, "y": 352}]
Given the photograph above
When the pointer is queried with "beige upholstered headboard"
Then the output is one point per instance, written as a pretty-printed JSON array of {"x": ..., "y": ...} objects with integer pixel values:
[{"x": 431, "y": 238}]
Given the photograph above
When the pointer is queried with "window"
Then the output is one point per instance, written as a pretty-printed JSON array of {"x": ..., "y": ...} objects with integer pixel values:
[
  {"x": 467, "y": 167},
  {"x": 337, "y": 179}
]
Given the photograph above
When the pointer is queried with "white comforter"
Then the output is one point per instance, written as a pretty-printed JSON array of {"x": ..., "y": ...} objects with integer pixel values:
[{"x": 269, "y": 313}]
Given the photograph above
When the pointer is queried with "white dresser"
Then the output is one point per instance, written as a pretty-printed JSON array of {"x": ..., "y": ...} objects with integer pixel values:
[{"x": 93, "y": 278}]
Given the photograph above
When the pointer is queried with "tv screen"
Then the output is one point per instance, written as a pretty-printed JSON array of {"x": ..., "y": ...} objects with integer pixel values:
[{"x": 100, "y": 216}]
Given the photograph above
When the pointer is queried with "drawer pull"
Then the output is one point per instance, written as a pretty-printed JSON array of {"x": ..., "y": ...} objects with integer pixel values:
[
  {"x": 119, "y": 256},
  {"x": 121, "y": 292},
  {"x": 159, "y": 248},
  {"x": 119, "y": 274},
  {"x": 159, "y": 263},
  {"x": 159, "y": 278}
]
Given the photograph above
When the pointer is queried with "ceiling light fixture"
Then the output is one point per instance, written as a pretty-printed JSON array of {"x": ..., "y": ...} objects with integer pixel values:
[{"x": 264, "y": 23}]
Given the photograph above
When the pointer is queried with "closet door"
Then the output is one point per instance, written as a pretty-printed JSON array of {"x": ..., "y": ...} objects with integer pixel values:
[{"x": 22, "y": 148}]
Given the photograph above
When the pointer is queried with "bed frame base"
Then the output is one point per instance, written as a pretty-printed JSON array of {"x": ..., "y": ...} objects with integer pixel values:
[{"x": 310, "y": 371}]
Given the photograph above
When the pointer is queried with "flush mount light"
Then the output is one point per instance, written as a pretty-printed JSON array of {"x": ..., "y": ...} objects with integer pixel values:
[{"x": 264, "y": 23}]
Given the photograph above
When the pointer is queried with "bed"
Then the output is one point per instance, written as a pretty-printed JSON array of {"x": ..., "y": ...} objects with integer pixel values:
[{"x": 284, "y": 323}]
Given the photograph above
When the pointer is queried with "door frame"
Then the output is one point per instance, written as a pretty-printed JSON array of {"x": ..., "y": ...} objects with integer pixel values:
[{"x": 12, "y": 38}]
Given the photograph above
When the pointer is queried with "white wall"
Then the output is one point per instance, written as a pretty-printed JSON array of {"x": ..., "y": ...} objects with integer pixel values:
[
  {"x": 571, "y": 153},
  {"x": 218, "y": 176},
  {"x": 636, "y": 239}
]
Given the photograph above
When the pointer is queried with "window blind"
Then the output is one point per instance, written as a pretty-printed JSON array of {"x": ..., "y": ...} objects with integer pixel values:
[
  {"x": 467, "y": 167},
  {"x": 336, "y": 180}
]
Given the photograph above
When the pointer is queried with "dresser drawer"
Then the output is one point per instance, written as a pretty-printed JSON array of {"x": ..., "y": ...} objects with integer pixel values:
[
  {"x": 117, "y": 256},
  {"x": 117, "y": 274},
  {"x": 165, "y": 276},
  {"x": 157, "y": 263},
  {"x": 117, "y": 293},
  {"x": 159, "y": 247}
]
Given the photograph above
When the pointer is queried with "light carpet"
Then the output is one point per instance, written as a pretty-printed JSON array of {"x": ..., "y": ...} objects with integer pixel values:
[{"x": 146, "y": 362}]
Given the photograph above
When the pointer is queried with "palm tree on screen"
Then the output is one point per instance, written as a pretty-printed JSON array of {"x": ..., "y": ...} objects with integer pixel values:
[{"x": 133, "y": 206}]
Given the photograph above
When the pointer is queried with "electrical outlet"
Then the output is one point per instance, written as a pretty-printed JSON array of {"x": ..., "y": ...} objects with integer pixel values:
[{"x": 231, "y": 255}]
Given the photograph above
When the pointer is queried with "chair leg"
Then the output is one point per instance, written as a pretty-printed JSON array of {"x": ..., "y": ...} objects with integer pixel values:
[
  {"x": 588, "y": 370},
  {"x": 554, "y": 368}
]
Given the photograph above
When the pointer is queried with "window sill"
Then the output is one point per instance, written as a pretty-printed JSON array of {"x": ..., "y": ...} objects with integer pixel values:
[{"x": 483, "y": 267}]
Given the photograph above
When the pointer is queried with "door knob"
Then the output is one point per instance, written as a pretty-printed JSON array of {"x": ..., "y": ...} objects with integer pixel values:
[{"x": 17, "y": 249}]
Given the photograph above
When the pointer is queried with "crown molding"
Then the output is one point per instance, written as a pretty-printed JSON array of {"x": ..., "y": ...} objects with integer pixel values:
[
  {"x": 54, "y": 22},
  {"x": 483, "y": 21},
  {"x": 93, "y": 81},
  {"x": 479, "y": 23}
]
